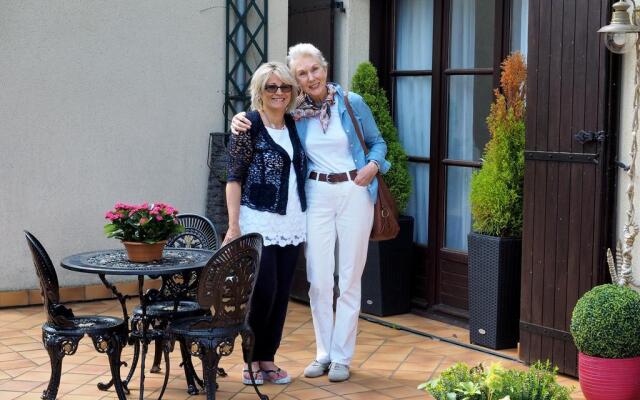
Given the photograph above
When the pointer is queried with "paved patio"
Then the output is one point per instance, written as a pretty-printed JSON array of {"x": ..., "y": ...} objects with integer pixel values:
[{"x": 389, "y": 363}]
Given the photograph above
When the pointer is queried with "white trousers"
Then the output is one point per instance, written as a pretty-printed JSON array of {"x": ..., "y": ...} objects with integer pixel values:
[{"x": 341, "y": 212}]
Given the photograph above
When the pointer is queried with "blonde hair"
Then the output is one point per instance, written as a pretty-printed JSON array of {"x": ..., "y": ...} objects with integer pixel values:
[
  {"x": 262, "y": 75},
  {"x": 305, "y": 49}
]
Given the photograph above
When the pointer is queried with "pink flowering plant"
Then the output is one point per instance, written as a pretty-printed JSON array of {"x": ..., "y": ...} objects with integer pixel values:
[{"x": 146, "y": 223}]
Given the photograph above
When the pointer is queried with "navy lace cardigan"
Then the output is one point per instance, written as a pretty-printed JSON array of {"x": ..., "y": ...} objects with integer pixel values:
[{"x": 262, "y": 166}]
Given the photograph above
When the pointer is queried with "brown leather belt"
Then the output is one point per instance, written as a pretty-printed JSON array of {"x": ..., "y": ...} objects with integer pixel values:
[{"x": 334, "y": 177}]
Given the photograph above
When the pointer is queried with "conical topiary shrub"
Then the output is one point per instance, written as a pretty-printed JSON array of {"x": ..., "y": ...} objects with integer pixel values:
[
  {"x": 365, "y": 82},
  {"x": 496, "y": 190}
]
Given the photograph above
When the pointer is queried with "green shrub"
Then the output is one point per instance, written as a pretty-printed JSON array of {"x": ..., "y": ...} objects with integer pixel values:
[
  {"x": 537, "y": 383},
  {"x": 606, "y": 322},
  {"x": 496, "y": 189},
  {"x": 365, "y": 82},
  {"x": 460, "y": 382},
  {"x": 457, "y": 380}
]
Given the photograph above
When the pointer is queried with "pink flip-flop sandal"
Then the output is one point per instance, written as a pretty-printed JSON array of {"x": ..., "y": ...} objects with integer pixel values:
[
  {"x": 258, "y": 377},
  {"x": 278, "y": 376}
]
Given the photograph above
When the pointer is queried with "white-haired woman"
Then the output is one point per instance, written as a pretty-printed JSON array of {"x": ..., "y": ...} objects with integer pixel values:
[
  {"x": 265, "y": 194},
  {"x": 341, "y": 191}
]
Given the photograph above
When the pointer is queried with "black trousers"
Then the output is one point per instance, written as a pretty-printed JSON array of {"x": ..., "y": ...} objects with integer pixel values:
[{"x": 271, "y": 298}]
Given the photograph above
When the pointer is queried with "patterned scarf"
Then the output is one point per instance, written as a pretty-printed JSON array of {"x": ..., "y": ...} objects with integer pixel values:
[{"x": 307, "y": 108}]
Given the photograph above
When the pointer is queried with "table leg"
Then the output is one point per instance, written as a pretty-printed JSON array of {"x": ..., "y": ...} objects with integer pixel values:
[
  {"x": 121, "y": 298},
  {"x": 143, "y": 305}
]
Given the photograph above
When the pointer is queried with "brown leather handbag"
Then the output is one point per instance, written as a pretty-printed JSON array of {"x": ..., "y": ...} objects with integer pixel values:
[{"x": 385, "y": 211}]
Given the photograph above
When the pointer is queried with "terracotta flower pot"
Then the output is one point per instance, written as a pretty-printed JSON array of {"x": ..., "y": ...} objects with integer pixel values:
[
  {"x": 144, "y": 252},
  {"x": 609, "y": 378}
]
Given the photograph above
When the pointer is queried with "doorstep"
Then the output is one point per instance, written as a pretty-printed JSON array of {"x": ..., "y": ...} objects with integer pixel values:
[{"x": 438, "y": 330}]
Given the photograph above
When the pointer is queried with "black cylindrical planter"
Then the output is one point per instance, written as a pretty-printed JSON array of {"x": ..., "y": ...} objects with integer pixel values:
[
  {"x": 494, "y": 290},
  {"x": 387, "y": 277}
]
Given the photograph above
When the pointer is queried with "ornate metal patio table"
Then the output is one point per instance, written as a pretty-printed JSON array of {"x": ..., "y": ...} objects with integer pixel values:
[{"x": 115, "y": 262}]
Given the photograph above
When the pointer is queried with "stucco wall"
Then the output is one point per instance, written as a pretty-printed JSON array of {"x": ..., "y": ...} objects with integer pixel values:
[
  {"x": 351, "y": 45},
  {"x": 626, "y": 117},
  {"x": 105, "y": 101}
]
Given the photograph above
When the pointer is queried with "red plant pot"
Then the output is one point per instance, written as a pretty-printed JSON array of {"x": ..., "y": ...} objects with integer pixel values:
[{"x": 609, "y": 378}]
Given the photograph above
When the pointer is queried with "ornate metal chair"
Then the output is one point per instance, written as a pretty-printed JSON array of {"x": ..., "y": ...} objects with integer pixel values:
[
  {"x": 63, "y": 330},
  {"x": 225, "y": 288},
  {"x": 175, "y": 299}
]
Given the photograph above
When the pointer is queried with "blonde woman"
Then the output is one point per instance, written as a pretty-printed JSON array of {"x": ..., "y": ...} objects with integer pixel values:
[
  {"x": 341, "y": 191},
  {"x": 265, "y": 194}
]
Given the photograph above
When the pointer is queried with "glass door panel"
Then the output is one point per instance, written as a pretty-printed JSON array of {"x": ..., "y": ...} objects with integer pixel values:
[
  {"x": 519, "y": 25},
  {"x": 469, "y": 99},
  {"x": 458, "y": 213},
  {"x": 414, "y": 22},
  {"x": 413, "y": 114},
  {"x": 471, "y": 33},
  {"x": 418, "y": 205},
  {"x": 412, "y": 101}
]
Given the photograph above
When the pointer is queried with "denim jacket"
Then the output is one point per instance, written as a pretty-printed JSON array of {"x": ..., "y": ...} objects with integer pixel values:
[
  {"x": 372, "y": 137},
  {"x": 262, "y": 166}
]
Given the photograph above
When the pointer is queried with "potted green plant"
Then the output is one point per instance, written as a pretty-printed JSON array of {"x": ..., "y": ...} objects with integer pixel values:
[
  {"x": 386, "y": 280},
  {"x": 143, "y": 229},
  {"x": 605, "y": 326},
  {"x": 460, "y": 382},
  {"x": 495, "y": 244}
]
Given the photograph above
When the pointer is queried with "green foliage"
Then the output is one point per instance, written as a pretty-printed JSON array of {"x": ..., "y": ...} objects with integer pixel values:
[
  {"x": 606, "y": 322},
  {"x": 454, "y": 379},
  {"x": 537, "y": 383},
  {"x": 496, "y": 189},
  {"x": 460, "y": 382},
  {"x": 365, "y": 82}
]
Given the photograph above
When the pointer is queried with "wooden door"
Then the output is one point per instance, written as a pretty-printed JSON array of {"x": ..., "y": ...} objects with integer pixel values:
[
  {"x": 568, "y": 184},
  {"x": 312, "y": 22}
]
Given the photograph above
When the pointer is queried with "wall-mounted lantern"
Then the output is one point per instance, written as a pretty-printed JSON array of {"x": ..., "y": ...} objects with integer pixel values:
[{"x": 620, "y": 35}]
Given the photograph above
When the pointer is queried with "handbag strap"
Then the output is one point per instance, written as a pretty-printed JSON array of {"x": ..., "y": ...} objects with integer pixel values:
[{"x": 355, "y": 122}]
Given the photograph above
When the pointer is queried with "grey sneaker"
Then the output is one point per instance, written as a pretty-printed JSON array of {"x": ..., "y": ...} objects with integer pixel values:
[
  {"x": 316, "y": 369},
  {"x": 338, "y": 372}
]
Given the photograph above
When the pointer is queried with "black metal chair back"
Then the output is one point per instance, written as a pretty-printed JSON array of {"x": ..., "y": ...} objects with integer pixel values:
[
  {"x": 199, "y": 233},
  {"x": 226, "y": 283},
  {"x": 57, "y": 314}
]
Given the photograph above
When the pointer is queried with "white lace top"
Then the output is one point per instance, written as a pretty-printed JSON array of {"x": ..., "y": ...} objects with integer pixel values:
[{"x": 277, "y": 229}]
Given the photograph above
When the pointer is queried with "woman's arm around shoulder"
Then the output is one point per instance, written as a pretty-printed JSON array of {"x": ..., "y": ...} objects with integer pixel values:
[
  {"x": 240, "y": 123},
  {"x": 372, "y": 136}
]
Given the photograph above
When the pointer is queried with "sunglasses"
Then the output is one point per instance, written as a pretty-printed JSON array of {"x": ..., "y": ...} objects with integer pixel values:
[{"x": 274, "y": 88}]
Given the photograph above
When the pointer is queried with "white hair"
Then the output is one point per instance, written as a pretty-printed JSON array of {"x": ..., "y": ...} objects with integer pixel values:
[
  {"x": 305, "y": 49},
  {"x": 262, "y": 75}
]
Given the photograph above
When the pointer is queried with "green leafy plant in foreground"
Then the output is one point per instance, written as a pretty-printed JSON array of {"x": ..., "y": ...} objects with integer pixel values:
[{"x": 460, "y": 382}]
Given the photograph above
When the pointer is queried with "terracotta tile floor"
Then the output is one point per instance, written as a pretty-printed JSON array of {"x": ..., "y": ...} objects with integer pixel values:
[{"x": 389, "y": 363}]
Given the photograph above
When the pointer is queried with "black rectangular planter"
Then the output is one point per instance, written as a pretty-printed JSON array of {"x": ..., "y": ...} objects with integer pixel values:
[
  {"x": 494, "y": 290},
  {"x": 387, "y": 277}
]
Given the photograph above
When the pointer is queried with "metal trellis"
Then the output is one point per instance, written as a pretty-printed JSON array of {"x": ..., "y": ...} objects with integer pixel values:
[{"x": 246, "y": 49}]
